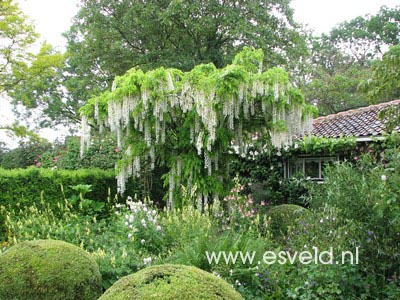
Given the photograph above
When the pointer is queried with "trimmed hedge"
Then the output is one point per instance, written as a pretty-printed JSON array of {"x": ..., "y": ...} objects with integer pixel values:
[
  {"x": 170, "y": 282},
  {"x": 25, "y": 186}
]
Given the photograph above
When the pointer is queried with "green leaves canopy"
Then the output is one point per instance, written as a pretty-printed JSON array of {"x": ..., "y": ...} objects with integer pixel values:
[{"x": 16, "y": 35}]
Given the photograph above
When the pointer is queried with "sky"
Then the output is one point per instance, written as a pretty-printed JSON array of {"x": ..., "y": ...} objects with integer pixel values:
[{"x": 53, "y": 17}]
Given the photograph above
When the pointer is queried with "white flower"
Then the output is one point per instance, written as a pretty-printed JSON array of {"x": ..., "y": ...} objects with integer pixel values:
[
  {"x": 145, "y": 209},
  {"x": 131, "y": 219},
  {"x": 147, "y": 260},
  {"x": 143, "y": 221},
  {"x": 158, "y": 228},
  {"x": 129, "y": 235},
  {"x": 296, "y": 146},
  {"x": 383, "y": 177},
  {"x": 126, "y": 223},
  {"x": 142, "y": 241}
]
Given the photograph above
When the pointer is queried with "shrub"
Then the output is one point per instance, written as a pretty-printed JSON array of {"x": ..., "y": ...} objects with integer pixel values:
[
  {"x": 27, "y": 154},
  {"x": 367, "y": 193},
  {"x": 48, "y": 270},
  {"x": 283, "y": 216},
  {"x": 171, "y": 282}
]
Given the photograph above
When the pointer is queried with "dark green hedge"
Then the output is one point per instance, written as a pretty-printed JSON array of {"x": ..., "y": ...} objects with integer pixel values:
[{"x": 25, "y": 186}]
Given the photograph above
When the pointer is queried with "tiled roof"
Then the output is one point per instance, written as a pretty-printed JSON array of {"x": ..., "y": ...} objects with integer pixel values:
[{"x": 360, "y": 122}]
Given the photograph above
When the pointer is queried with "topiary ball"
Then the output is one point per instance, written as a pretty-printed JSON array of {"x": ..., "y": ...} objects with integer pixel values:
[
  {"x": 48, "y": 270},
  {"x": 283, "y": 216},
  {"x": 171, "y": 282}
]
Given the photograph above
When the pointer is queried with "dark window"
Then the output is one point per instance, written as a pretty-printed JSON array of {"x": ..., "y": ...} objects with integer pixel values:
[{"x": 309, "y": 167}]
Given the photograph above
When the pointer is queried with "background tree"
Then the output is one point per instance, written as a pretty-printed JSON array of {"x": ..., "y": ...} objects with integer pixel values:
[
  {"x": 108, "y": 38},
  {"x": 368, "y": 37},
  {"x": 334, "y": 77},
  {"x": 341, "y": 61},
  {"x": 26, "y": 78},
  {"x": 16, "y": 36},
  {"x": 384, "y": 83},
  {"x": 42, "y": 89}
]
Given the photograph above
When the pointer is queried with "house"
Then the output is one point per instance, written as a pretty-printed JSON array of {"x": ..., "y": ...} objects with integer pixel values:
[{"x": 364, "y": 124}]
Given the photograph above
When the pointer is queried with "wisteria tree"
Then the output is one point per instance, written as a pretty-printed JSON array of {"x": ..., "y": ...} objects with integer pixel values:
[{"x": 189, "y": 121}]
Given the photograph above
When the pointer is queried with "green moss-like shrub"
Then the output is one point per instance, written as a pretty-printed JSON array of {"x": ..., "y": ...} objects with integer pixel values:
[
  {"x": 48, "y": 270},
  {"x": 281, "y": 217},
  {"x": 171, "y": 282}
]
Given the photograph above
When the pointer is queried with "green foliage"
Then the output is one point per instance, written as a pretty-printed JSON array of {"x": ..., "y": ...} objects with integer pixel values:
[
  {"x": 171, "y": 282},
  {"x": 102, "y": 154},
  {"x": 367, "y": 194},
  {"x": 3, "y": 230},
  {"x": 17, "y": 36},
  {"x": 365, "y": 37},
  {"x": 41, "y": 221},
  {"x": 262, "y": 174},
  {"x": 335, "y": 78},
  {"x": 37, "y": 87},
  {"x": 284, "y": 216},
  {"x": 26, "y": 77},
  {"x": 186, "y": 121},
  {"x": 384, "y": 82},
  {"x": 87, "y": 206},
  {"x": 324, "y": 146},
  {"x": 24, "y": 187},
  {"x": 187, "y": 240},
  {"x": 26, "y": 155},
  {"x": 47, "y": 269},
  {"x": 184, "y": 34},
  {"x": 340, "y": 63},
  {"x": 22, "y": 132}
]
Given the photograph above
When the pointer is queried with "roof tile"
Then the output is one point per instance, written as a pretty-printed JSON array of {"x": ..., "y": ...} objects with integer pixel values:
[{"x": 358, "y": 122}]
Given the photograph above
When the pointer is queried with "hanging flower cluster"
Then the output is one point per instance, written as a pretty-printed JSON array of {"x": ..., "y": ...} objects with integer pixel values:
[{"x": 188, "y": 120}]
